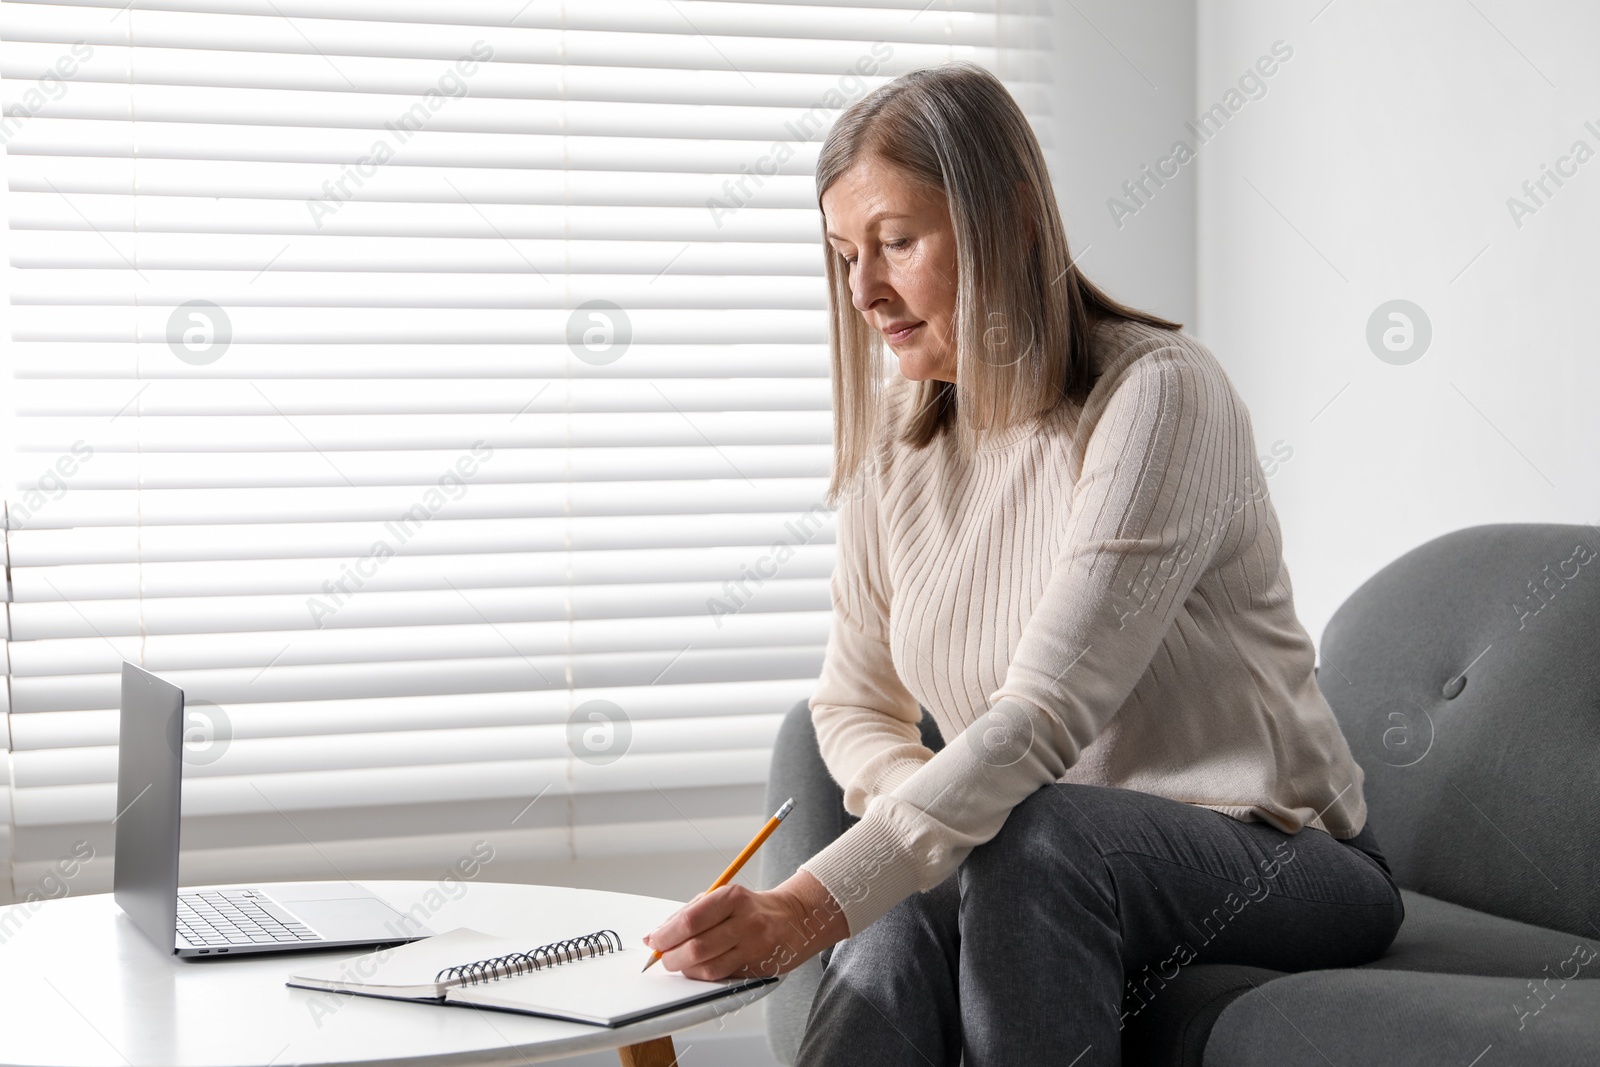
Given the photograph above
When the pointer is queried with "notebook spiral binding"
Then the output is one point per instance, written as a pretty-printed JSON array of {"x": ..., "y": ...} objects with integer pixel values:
[{"x": 515, "y": 963}]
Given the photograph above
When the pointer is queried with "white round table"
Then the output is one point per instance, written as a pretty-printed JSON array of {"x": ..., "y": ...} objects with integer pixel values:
[{"x": 80, "y": 986}]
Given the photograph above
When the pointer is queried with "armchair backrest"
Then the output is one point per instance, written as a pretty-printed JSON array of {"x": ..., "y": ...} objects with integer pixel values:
[{"x": 1466, "y": 678}]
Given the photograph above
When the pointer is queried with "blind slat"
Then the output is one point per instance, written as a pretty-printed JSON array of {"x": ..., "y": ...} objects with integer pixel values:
[
  {"x": 43, "y": 547},
  {"x": 107, "y": 293},
  {"x": 257, "y": 253},
  {"x": 861, "y": 19},
  {"x": 798, "y": 91},
  {"x": 282, "y": 116},
  {"x": 427, "y": 748},
  {"x": 43, "y": 805},
  {"x": 308, "y": 718},
  {"x": 433, "y": 677},
  {"x": 355, "y": 623},
  {"x": 152, "y": 361},
  {"x": 173, "y": 470},
  {"x": 109, "y": 175},
  {"x": 932, "y": 42},
  {"x": 809, "y": 556},
  {"x": 509, "y": 397}
]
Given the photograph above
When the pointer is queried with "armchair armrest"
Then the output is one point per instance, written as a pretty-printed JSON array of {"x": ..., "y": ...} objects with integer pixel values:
[{"x": 818, "y": 818}]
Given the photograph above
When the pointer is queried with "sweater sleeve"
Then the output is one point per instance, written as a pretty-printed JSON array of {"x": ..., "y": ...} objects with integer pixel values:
[
  {"x": 865, "y": 718},
  {"x": 1166, "y": 467}
]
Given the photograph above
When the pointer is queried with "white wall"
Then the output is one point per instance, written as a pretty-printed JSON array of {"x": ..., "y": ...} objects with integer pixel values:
[
  {"x": 1121, "y": 87},
  {"x": 1377, "y": 167}
]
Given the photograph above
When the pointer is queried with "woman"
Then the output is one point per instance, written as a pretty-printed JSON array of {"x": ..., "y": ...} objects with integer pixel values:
[{"x": 1053, "y": 532}]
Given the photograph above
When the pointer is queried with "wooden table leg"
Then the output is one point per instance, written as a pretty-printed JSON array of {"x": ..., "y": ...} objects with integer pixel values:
[{"x": 657, "y": 1053}]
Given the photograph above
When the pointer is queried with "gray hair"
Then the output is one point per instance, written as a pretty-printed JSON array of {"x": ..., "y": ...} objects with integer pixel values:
[{"x": 1022, "y": 315}]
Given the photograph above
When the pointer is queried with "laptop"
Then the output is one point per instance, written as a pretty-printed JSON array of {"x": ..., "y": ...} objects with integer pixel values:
[{"x": 221, "y": 921}]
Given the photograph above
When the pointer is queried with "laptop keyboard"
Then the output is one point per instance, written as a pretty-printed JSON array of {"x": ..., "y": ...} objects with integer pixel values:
[{"x": 230, "y": 917}]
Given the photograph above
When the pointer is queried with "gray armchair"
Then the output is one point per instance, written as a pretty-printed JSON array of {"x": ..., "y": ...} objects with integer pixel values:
[{"x": 1466, "y": 678}]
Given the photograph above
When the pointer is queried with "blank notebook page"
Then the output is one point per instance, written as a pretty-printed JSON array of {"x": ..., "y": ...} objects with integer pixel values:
[
  {"x": 409, "y": 970},
  {"x": 609, "y": 990}
]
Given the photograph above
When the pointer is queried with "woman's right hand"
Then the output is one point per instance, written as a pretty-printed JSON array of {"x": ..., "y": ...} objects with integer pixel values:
[{"x": 735, "y": 932}]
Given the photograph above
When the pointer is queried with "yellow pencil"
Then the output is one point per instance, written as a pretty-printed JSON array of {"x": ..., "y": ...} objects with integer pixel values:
[{"x": 739, "y": 861}]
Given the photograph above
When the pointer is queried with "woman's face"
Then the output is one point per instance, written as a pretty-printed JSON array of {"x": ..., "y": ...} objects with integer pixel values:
[{"x": 900, "y": 252}]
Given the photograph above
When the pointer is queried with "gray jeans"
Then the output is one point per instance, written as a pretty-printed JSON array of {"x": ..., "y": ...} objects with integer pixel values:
[{"x": 1072, "y": 919}]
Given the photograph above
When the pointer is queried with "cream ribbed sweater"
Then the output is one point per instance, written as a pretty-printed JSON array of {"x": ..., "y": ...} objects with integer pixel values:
[{"x": 1098, "y": 598}]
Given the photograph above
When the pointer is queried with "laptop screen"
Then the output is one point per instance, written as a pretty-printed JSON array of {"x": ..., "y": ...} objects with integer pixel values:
[{"x": 149, "y": 779}]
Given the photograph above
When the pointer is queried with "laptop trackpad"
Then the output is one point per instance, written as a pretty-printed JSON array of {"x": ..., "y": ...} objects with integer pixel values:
[{"x": 352, "y": 918}]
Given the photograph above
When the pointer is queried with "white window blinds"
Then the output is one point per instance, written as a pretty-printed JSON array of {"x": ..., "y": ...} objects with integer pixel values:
[{"x": 437, "y": 390}]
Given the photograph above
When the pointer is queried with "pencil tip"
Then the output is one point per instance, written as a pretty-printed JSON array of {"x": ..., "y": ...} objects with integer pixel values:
[{"x": 647, "y": 966}]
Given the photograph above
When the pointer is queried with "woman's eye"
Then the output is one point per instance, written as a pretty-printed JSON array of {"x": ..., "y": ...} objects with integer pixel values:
[{"x": 901, "y": 243}]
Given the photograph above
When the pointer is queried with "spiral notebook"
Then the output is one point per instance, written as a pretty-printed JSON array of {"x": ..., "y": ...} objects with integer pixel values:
[{"x": 588, "y": 979}]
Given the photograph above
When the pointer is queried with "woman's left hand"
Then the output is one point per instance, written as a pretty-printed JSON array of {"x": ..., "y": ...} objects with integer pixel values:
[{"x": 736, "y": 932}]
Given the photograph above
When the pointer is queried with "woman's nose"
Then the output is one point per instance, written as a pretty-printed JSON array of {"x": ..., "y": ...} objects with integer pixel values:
[{"x": 868, "y": 283}]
